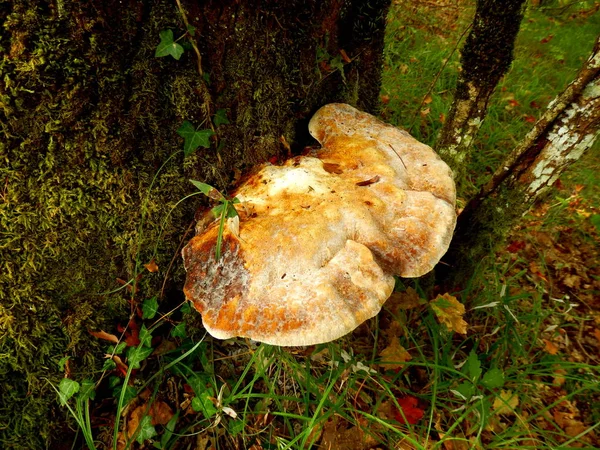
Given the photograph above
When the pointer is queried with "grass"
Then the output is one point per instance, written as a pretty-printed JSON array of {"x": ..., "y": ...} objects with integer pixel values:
[{"x": 526, "y": 375}]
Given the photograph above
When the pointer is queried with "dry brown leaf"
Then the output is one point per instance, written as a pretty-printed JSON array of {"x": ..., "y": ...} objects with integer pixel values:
[
  {"x": 428, "y": 99},
  {"x": 152, "y": 266},
  {"x": 550, "y": 347},
  {"x": 337, "y": 437},
  {"x": 408, "y": 299},
  {"x": 506, "y": 403},
  {"x": 425, "y": 112},
  {"x": 160, "y": 412},
  {"x": 106, "y": 336},
  {"x": 449, "y": 311},
  {"x": 394, "y": 355}
]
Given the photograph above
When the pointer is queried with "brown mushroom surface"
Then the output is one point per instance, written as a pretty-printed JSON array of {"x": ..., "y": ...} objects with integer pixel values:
[{"x": 321, "y": 236}]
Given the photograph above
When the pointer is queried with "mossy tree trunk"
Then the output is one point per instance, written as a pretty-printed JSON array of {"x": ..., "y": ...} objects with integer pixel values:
[
  {"x": 88, "y": 115},
  {"x": 563, "y": 134},
  {"x": 486, "y": 57}
]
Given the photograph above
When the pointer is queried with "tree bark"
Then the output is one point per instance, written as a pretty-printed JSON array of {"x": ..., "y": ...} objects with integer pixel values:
[
  {"x": 563, "y": 134},
  {"x": 88, "y": 115},
  {"x": 486, "y": 57}
]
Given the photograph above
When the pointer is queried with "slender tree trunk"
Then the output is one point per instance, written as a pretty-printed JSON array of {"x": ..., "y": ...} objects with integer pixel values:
[
  {"x": 486, "y": 57},
  {"x": 563, "y": 134},
  {"x": 88, "y": 115}
]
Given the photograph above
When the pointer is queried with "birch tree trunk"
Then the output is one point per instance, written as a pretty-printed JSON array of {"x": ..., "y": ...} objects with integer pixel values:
[
  {"x": 486, "y": 57},
  {"x": 561, "y": 136}
]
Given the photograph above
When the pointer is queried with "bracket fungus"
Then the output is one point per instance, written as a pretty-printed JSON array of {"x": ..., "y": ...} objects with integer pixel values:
[{"x": 321, "y": 236}]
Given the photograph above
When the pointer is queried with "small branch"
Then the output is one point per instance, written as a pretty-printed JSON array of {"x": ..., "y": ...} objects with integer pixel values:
[{"x": 187, "y": 27}]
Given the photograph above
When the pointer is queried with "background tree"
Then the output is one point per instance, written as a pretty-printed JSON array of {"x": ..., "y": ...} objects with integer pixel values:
[
  {"x": 485, "y": 58},
  {"x": 89, "y": 115},
  {"x": 563, "y": 134}
]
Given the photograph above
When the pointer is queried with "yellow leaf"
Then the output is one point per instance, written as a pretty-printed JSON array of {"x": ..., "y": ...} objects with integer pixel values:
[
  {"x": 152, "y": 266},
  {"x": 449, "y": 311},
  {"x": 506, "y": 403},
  {"x": 393, "y": 355}
]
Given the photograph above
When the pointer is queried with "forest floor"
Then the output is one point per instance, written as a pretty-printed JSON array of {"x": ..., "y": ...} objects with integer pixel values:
[{"x": 517, "y": 367}]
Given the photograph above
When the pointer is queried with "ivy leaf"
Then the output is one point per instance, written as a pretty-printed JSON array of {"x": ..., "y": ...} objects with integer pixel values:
[
  {"x": 168, "y": 46},
  {"x": 145, "y": 337},
  {"x": 149, "y": 308},
  {"x": 87, "y": 390},
  {"x": 493, "y": 378},
  {"x": 147, "y": 430},
  {"x": 186, "y": 308},
  {"x": 449, "y": 311},
  {"x": 193, "y": 138},
  {"x": 204, "y": 404},
  {"x": 191, "y": 30},
  {"x": 135, "y": 355},
  {"x": 118, "y": 349},
  {"x": 109, "y": 364},
  {"x": 179, "y": 331},
  {"x": 220, "y": 118},
  {"x": 66, "y": 389},
  {"x": 235, "y": 427},
  {"x": 62, "y": 363}
]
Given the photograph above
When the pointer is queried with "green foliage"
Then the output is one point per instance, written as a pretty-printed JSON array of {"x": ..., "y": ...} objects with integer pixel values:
[
  {"x": 149, "y": 307},
  {"x": 67, "y": 388},
  {"x": 193, "y": 138},
  {"x": 168, "y": 46},
  {"x": 223, "y": 211},
  {"x": 146, "y": 430},
  {"x": 220, "y": 118}
]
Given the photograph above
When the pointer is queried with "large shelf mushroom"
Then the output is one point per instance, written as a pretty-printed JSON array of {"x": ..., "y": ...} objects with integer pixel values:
[{"x": 321, "y": 236}]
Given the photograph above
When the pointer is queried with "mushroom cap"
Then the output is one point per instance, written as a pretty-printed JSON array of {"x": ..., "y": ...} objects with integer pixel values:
[{"x": 321, "y": 236}]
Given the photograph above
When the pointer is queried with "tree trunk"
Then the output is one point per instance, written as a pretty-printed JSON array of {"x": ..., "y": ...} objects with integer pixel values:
[
  {"x": 563, "y": 134},
  {"x": 486, "y": 57},
  {"x": 89, "y": 115}
]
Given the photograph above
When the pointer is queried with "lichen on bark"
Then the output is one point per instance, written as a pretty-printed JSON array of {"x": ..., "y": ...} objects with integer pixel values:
[{"x": 486, "y": 56}]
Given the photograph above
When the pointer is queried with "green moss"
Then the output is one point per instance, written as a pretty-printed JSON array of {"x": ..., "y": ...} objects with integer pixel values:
[{"x": 88, "y": 116}]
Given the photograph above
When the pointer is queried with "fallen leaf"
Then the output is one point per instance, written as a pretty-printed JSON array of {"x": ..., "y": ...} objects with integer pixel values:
[
  {"x": 425, "y": 112},
  {"x": 408, "y": 299},
  {"x": 550, "y": 347},
  {"x": 345, "y": 56},
  {"x": 106, "y": 336},
  {"x": 547, "y": 39},
  {"x": 515, "y": 246},
  {"x": 506, "y": 403},
  {"x": 159, "y": 411},
  {"x": 442, "y": 118},
  {"x": 393, "y": 355},
  {"x": 385, "y": 99},
  {"x": 410, "y": 413},
  {"x": 449, "y": 311},
  {"x": 337, "y": 437},
  {"x": 529, "y": 119},
  {"x": 428, "y": 99},
  {"x": 151, "y": 266},
  {"x": 597, "y": 334}
]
